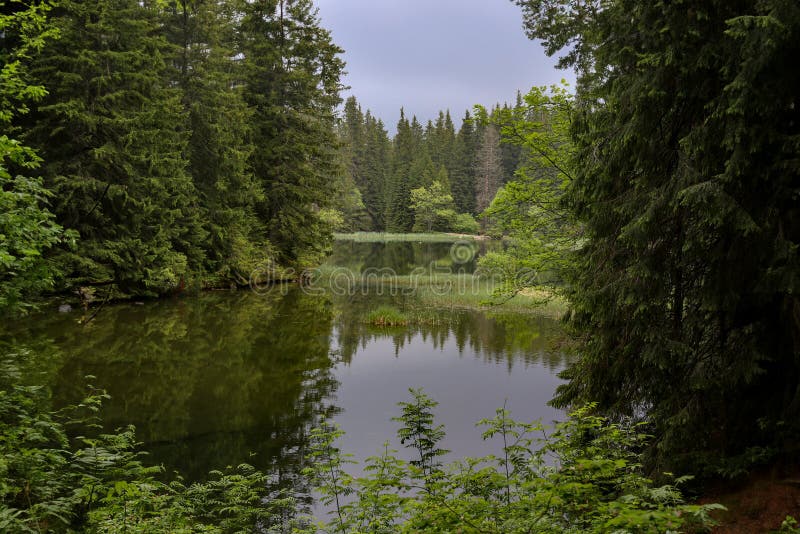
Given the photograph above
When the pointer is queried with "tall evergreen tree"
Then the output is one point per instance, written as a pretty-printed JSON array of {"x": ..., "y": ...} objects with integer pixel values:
[
  {"x": 292, "y": 73},
  {"x": 687, "y": 179},
  {"x": 407, "y": 143},
  {"x": 462, "y": 167},
  {"x": 113, "y": 137},
  {"x": 377, "y": 167},
  {"x": 511, "y": 152},
  {"x": 208, "y": 71},
  {"x": 440, "y": 141}
]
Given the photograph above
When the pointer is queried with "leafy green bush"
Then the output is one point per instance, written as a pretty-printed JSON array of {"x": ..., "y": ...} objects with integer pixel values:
[
  {"x": 789, "y": 526},
  {"x": 464, "y": 223},
  {"x": 581, "y": 476}
]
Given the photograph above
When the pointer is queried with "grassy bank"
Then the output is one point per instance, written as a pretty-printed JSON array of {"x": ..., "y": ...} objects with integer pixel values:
[
  {"x": 445, "y": 290},
  {"x": 382, "y": 237},
  {"x": 534, "y": 301}
]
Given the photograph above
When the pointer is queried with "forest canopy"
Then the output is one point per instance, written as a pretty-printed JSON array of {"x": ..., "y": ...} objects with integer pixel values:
[{"x": 180, "y": 143}]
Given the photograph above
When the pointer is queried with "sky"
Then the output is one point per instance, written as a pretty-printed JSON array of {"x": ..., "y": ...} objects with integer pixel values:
[{"x": 431, "y": 55}]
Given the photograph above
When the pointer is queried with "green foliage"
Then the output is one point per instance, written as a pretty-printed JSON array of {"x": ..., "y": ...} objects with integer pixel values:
[
  {"x": 464, "y": 223},
  {"x": 433, "y": 207},
  {"x": 54, "y": 481},
  {"x": 60, "y": 474},
  {"x": 409, "y": 164},
  {"x": 291, "y": 74},
  {"x": 182, "y": 140},
  {"x": 203, "y": 40},
  {"x": 686, "y": 183},
  {"x": 421, "y": 433},
  {"x": 386, "y": 172},
  {"x": 327, "y": 468},
  {"x": 27, "y": 228},
  {"x": 789, "y": 526},
  {"x": 366, "y": 150},
  {"x": 530, "y": 209},
  {"x": 462, "y": 168},
  {"x": 583, "y": 476},
  {"x": 113, "y": 138}
]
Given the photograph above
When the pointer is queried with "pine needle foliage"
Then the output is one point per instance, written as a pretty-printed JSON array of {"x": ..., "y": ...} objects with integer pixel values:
[{"x": 686, "y": 183}]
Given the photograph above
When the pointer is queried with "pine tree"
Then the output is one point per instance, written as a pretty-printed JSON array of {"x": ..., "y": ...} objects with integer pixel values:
[
  {"x": 685, "y": 292},
  {"x": 292, "y": 72},
  {"x": 114, "y": 142}
]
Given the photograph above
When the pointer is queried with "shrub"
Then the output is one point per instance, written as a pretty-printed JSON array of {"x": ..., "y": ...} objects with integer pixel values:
[
  {"x": 464, "y": 223},
  {"x": 582, "y": 476}
]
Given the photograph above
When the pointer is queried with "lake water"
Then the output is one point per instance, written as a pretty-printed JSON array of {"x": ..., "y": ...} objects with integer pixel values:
[{"x": 231, "y": 377}]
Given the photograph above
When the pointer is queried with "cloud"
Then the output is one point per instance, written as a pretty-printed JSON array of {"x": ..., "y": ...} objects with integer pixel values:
[{"x": 429, "y": 55}]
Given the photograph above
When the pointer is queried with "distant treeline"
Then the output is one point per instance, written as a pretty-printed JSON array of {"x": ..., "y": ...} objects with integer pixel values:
[{"x": 469, "y": 165}]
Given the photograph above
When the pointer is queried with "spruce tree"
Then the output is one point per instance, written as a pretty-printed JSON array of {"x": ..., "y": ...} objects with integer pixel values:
[
  {"x": 292, "y": 72},
  {"x": 685, "y": 292},
  {"x": 113, "y": 138},
  {"x": 510, "y": 152},
  {"x": 377, "y": 167},
  {"x": 208, "y": 72},
  {"x": 462, "y": 167},
  {"x": 406, "y": 144}
]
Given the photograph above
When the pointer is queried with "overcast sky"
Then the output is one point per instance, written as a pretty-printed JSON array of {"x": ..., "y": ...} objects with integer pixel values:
[{"x": 429, "y": 55}]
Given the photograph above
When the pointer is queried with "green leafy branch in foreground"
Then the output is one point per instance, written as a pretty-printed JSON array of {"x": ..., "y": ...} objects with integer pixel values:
[
  {"x": 27, "y": 227},
  {"x": 51, "y": 483},
  {"x": 582, "y": 476}
]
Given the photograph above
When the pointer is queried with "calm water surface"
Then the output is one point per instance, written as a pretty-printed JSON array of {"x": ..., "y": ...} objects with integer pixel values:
[{"x": 233, "y": 377}]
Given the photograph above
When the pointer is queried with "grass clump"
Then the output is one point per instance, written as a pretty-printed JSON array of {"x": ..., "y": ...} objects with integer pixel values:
[{"x": 387, "y": 316}]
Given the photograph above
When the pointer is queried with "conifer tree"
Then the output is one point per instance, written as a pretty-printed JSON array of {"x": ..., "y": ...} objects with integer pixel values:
[
  {"x": 407, "y": 143},
  {"x": 113, "y": 138},
  {"x": 208, "y": 71},
  {"x": 377, "y": 167},
  {"x": 686, "y": 289},
  {"x": 292, "y": 72},
  {"x": 462, "y": 167},
  {"x": 511, "y": 152}
]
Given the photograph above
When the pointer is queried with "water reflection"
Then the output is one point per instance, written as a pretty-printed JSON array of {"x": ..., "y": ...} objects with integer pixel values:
[
  {"x": 206, "y": 381},
  {"x": 512, "y": 339},
  {"x": 231, "y": 377}
]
